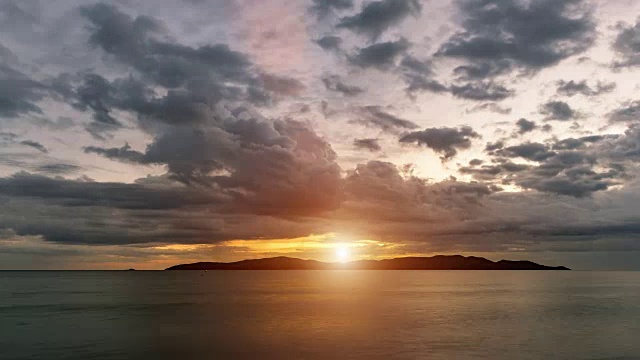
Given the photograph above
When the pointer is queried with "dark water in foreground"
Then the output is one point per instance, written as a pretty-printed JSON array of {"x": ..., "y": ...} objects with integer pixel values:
[{"x": 320, "y": 315}]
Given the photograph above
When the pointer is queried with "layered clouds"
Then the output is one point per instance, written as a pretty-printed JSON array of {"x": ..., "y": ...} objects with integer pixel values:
[{"x": 136, "y": 134}]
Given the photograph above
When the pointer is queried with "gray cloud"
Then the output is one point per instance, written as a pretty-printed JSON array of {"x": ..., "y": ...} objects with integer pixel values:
[
  {"x": 571, "y": 88},
  {"x": 97, "y": 94},
  {"x": 577, "y": 143},
  {"x": 529, "y": 150},
  {"x": 627, "y": 45},
  {"x": 375, "y": 116},
  {"x": 575, "y": 167},
  {"x": 322, "y": 8},
  {"x": 236, "y": 157},
  {"x": 378, "y": 16},
  {"x": 493, "y": 107},
  {"x": 57, "y": 169},
  {"x": 418, "y": 75},
  {"x": 8, "y": 136},
  {"x": 494, "y": 146},
  {"x": 74, "y": 193},
  {"x": 558, "y": 110},
  {"x": 628, "y": 112},
  {"x": 525, "y": 126},
  {"x": 334, "y": 83},
  {"x": 19, "y": 94},
  {"x": 528, "y": 35},
  {"x": 330, "y": 43},
  {"x": 124, "y": 153},
  {"x": 34, "y": 144},
  {"x": 380, "y": 55},
  {"x": 194, "y": 77},
  {"x": 414, "y": 65},
  {"x": 489, "y": 172},
  {"x": 445, "y": 141},
  {"x": 481, "y": 91},
  {"x": 481, "y": 70},
  {"x": 368, "y": 144},
  {"x": 282, "y": 85}
]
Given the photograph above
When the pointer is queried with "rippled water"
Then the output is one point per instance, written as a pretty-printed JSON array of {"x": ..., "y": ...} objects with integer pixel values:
[{"x": 320, "y": 315}]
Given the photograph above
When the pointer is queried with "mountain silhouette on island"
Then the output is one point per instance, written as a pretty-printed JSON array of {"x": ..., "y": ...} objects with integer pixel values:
[{"x": 438, "y": 262}]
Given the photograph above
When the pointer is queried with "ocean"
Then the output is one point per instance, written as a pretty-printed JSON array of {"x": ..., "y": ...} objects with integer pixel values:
[{"x": 319, "y": 315}]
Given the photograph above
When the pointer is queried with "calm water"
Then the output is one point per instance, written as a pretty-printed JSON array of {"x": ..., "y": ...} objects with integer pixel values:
[{"x": 320, "y": 315}]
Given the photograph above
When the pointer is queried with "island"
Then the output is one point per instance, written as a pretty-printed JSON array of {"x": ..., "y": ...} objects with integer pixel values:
[{"x": 438, "y": 262}]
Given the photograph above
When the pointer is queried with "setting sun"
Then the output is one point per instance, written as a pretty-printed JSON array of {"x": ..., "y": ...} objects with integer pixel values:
[{"x": 343, "y": 253}]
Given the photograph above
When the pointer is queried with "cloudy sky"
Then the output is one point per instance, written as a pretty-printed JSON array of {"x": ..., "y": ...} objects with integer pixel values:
[{"x": 135, "y": 134}]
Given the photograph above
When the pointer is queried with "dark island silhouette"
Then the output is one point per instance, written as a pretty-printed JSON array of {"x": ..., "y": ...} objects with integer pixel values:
[{"x": 438, "y": 262}]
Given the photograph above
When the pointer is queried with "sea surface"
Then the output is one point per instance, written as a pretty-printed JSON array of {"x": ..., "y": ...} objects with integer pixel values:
[{"x": 319, "y": 315}]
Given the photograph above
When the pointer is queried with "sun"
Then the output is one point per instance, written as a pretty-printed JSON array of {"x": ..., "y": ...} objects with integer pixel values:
[{"x": 343, "y": 254}]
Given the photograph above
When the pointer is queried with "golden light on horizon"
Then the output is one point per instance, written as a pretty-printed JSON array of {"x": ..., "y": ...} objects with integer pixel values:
[
  {"x": 343, "y": 253},
  {"x": 330, "y": 247}
]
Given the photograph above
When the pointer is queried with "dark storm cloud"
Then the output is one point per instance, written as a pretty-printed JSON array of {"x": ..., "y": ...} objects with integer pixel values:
[
  {"x": 322, "y": 8},
  {"x": 628, "y": 112},
  {"x": 379, "y": 190},
  {"x": 82, "y": 212},
  {"x": 119, "y": 34},
  {"x": 625, "y": 147},
  {"x": 369, "y": 144},
  {"x": 34, "y": 144},
  {"x": 58, "y": 169},
  {"x": 567, "y": 185},
  {"x": 558, "y": 110},
  {"x": 481, "y": 91},
  {"x": 475, "y": 91},
  {"x": 19, "y": 94},
  {"x": 417, "y": 83},
  {"x": 74, "y": 193},
  {"x": 481, "y": 71},
  {"x": 571, "y": 88},
  {"x": 194, "y": 77},
  {"x": 525, "y": 126},
  {"x": 330, "y": 43},
  {"x": 414, "y": 65},
  {"x": 380, "y": 55},
  {"x": 418, "y": 74},
  {"x": 334, "y": 83},
  {"x": 8, "y": 136},
  {"x": 494, "y": 146},
  {"x": 124, "y": 153},
  {"x": 97, "y": 94},
  {"x": 577, "y": 143},
  {"x": 531, "y": 151},
  {"x": 203, "y": 143},
  {"x": 237, "y": 158},
  {"x": 282, "y": 85},
  {"x": 627, "y": 45},
  {"x": 375, "y": 116},
  {"x": 576, "y": 167},
  {"x": 566, "y": 173},
  {"x": 527, "y": 35},
  {"x": 378, "y": 16},
  {"x": 489, "y": 172},
  {"x": 445, "y": 141}
]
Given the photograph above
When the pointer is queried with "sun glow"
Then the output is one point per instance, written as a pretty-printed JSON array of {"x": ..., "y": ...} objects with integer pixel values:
[{"x": 343, "y": 253}]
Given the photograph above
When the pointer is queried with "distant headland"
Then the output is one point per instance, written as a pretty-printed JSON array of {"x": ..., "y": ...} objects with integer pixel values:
[{"x": 438, "y": 262}]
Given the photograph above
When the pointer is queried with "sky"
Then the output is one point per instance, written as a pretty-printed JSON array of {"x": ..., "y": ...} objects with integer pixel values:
[{"x": 142, "y": 134}]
